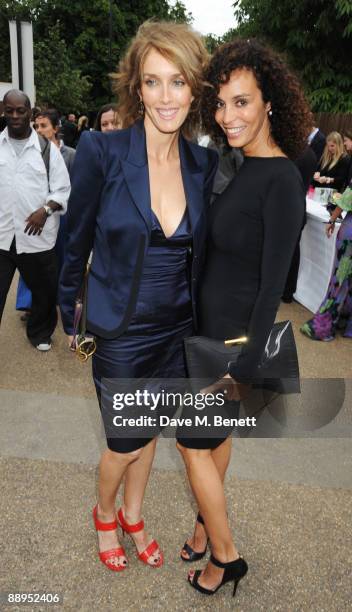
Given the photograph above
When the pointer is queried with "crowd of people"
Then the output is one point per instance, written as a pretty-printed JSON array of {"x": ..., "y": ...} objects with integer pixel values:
[
  {"x": 179, "y": 242},
  {"x": 38, "y": 136},
  {"x": 334, "y": 171}
]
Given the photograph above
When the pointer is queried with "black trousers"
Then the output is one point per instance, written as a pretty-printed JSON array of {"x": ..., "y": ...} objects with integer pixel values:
[{"x": 39, "y": 272}]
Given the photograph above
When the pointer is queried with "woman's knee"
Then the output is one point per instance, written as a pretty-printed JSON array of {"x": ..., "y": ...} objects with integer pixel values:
[
  {"x": 182, "y": 449},
  {"x": 192, "y": 454},
  {"x": 126, "y": 458}
]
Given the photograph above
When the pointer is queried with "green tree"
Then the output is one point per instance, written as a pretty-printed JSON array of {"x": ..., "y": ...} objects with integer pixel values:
[
  {"x": 85, "y": 29},
  {"x": 5, "y": 59},
  {"x": 179, "y": 13},
  {"x": 59, "y": 84},
  {"x": 316, "y": 36},
  {"x": 212, "y": 42}
]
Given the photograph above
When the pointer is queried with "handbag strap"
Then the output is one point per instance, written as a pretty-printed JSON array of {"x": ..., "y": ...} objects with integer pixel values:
[
  {"x": 83, "y": 322},
  {"x": 80, "y": 316},
  {"x": 77, "y": 317}
]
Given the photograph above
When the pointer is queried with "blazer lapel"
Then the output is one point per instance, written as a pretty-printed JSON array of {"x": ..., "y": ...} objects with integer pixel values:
[
  {"x": 135, "y": 170},
  {"x": 193, "y": 182}
]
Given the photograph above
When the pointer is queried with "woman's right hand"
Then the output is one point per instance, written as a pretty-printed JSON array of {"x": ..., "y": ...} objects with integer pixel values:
[
  {"x": 230, "y": 387},
  {"x": 322, "y": 180},
  {"x": 329, "y": 230}
]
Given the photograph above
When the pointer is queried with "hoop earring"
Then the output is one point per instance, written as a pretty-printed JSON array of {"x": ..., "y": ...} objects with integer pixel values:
[{"x": 141, "y": 107}]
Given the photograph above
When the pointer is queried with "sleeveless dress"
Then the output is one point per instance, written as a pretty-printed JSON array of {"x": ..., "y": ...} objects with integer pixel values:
[{"x": 152, "y": 346}]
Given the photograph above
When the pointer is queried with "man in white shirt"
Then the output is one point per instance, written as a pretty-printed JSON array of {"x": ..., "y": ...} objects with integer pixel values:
[{"x": 31, "y": 201}]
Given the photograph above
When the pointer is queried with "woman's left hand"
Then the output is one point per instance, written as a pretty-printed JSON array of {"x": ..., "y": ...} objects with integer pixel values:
[{"x": 233, "y": 390}]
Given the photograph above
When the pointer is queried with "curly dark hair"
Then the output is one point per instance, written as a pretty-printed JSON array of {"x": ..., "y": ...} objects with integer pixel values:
[{"x": 291, "y": 120}]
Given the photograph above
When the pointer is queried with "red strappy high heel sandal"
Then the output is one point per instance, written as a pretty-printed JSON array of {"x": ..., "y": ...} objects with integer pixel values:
[
  {"x": 151, "y": 548},
  {"x": 107, "y": 556}
]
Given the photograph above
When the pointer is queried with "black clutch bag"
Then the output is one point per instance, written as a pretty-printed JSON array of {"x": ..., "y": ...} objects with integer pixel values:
[{"x": 208, "y": 360}]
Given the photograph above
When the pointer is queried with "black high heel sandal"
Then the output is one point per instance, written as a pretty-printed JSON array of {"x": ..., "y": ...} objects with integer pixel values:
[
  {"x": 193, "y": 555},
  {"x": 234, "y": 570}
]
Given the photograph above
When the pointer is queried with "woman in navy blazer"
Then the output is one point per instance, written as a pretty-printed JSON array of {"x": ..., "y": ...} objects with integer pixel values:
[{"x": 138, "y": 200}]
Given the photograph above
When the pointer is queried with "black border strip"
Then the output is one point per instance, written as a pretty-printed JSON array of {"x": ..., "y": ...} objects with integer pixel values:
[{"x": 19, "y": 54}]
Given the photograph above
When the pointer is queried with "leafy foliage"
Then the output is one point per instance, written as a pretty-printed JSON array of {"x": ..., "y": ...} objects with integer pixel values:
[
  {"x": 63, "y": 86},
  {"x": 212, "y": 42},
  {"x": 316, "y": 36},
  {"x": 178, "y": 13},
  {"x": 78, "y": 43}
]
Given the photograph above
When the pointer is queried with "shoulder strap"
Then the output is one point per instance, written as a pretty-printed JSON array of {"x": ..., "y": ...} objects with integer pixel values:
[{"x": 45, "y": 150}]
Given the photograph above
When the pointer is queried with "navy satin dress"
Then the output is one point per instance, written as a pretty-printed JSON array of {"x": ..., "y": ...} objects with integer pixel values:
[{"x": 152, "y": 346}]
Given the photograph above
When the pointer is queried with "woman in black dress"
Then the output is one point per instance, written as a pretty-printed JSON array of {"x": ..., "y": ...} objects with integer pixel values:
[
  {"x": 333, "y": 168},
  {"x": 258, "y": 106}
]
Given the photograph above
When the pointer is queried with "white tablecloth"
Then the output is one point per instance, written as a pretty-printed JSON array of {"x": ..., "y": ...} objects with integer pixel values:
[{"x": 317, "y": 257}]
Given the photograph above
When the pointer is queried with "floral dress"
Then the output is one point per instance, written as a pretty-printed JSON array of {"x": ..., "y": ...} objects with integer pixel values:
[{"x": 336, "y": 309}]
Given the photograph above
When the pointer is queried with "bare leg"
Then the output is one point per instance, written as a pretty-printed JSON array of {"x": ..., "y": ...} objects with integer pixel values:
[
  {"x": 136, "y": 479},
  {"x": 208, "y": 490},
  {"x": 111, "y": 470},
  {"x": 221, "y": 457}
]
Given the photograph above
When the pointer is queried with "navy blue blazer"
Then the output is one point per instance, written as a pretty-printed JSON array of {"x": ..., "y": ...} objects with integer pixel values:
[{"x": 109, "y": 211}]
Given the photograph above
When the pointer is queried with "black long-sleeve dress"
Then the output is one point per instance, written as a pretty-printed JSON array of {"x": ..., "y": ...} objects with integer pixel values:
[{"x": 253, "y": 230}]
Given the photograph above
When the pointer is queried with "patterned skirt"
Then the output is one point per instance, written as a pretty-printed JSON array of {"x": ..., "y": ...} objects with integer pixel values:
[{"x": 336, "y": 310}]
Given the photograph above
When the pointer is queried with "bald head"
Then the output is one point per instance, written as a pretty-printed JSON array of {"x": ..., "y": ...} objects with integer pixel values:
[
  {"x": 17, "y": 112},
  {"x": 19, "y": 96}
]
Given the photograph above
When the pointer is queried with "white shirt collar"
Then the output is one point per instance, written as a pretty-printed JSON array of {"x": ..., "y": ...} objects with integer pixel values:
[
  {"x": 32, "y": 142},
  {"x": 312, "y": 134},
  {"x": 24, "y": 187}
]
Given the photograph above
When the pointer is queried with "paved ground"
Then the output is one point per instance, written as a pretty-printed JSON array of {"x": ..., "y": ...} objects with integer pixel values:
[{"x": 289, "y": 498}]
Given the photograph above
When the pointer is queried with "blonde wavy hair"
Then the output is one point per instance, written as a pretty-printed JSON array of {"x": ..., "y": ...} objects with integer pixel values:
[
  {"x": 180, "y": 45},
  {"x": 82, "y": 122},
  {"x": 329, "y": 160}
]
